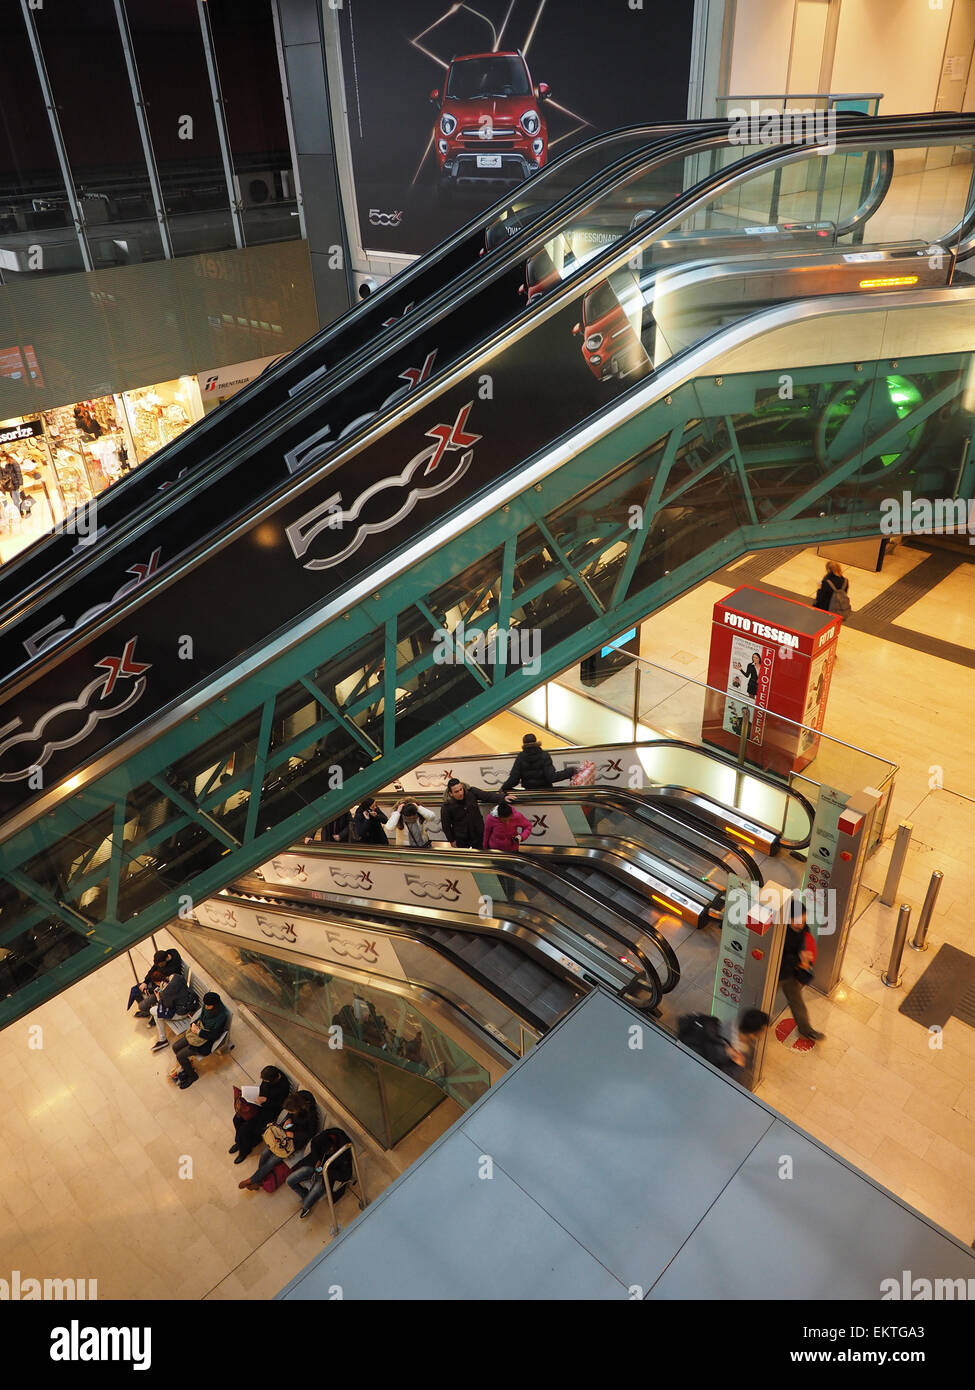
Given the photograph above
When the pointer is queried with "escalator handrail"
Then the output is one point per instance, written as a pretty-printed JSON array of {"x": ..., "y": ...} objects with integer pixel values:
[
  {"x": 400, "y": 334},
  {"x": 716, "y": 755},
  {"x": 618, "y": 253},
  {"x": 562, "y": 894},
  {"x": 632, "y": 802},
  {"x": 457, "y": 1002},
  {"x": 335, "y": 378},
  {"x": 360, "y": 918},
  {"x": 390, "y": 289},
  {"x": 675, "y": 372}
]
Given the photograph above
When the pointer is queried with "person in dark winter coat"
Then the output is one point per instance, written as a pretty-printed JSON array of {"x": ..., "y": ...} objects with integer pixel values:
[
  {"x": 368, "y": 823},
  {"x": 703, "y": 1034},
  {"x": 460, "y": 814},
  {"x": 175, "y": 999},
  {"x": 334, "y": 831},
  {"x": 298, "y": 1122},
  {"x": 144, "y": 993},
  {"x": 534, "y": 769},
  {"x": 273, "y": 1092},
  {"x": 207, "y": 1028},
  {"x": 308, "y": 1178}
]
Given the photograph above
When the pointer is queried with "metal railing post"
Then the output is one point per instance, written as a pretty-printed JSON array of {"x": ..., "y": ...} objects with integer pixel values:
[
  {"x": 892, "y": 975},
  {"x": 895, "y": 868},
  {"x": 920, "y": 942}
]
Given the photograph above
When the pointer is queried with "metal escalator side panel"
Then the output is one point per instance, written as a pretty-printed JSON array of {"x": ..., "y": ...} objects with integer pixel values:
[{"x": 454, "y": 436}]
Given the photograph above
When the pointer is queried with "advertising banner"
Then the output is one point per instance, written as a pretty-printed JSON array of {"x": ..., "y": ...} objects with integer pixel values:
[
  {"x": 616, "y": 766},
  {"x": 435, "y": 886},
  {"x": 323, "y": 940},
  {"x": 774, "y": 658},
  {"x": 449, "y": 106}
]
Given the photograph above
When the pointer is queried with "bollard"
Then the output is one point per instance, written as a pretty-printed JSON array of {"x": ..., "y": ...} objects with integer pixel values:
[
  {"x": 920, "y": 942},
  {"x": 892, "y": 975},
  {"x": 898, "y": 855}
]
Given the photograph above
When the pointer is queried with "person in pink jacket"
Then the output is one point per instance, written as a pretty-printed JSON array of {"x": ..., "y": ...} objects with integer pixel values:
[{"x": 506, "y": 828}]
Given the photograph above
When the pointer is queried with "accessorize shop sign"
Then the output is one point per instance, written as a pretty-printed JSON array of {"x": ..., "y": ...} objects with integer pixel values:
[{"x": 30, "y": 429}]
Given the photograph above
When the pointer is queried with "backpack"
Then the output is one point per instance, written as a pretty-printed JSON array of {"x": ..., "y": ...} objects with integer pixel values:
[
  {"x": 840, "y": 602},
  {"x": 702, "y": 1034}
]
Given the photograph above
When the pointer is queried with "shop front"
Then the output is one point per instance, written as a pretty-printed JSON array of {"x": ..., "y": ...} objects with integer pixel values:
[{"x": 57, "y": 460}]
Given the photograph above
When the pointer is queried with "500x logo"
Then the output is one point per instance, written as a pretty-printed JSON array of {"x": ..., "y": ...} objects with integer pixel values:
[
  {"x": 21, "y": 753},
  {"x": 314, "y": 448},
  {"x": 289, "y": 868},
  {"x": 352, "y": 878},
  {"x": 378, "y": 218},
  {"x": 447, "y": 890},
  {"x": 353, "y": 950},
  {"x": 332, "y": 515},
  {"x": 56, "y": 631},
  {"x": 432, "y": 779},
  {"x": 278, "y": 931}
]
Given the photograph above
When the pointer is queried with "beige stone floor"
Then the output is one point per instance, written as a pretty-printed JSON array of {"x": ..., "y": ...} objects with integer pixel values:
[
  {"x": 879, "y": 1090},
  {"x": 109, "y": 1172}
]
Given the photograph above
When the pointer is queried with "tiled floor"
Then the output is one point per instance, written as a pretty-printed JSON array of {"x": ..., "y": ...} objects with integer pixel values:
[
  {"x": 109, "y": 1172},
  {"x": 892, "y": 1098}
]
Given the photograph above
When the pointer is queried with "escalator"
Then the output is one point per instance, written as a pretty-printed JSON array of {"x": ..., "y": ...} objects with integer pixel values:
[
  {"x": 651, "y": 855},
  {"x": 562, "y": 917},
  {"x": 152, "y": 755}
]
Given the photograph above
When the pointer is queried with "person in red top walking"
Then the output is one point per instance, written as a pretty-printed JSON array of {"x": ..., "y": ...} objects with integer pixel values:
[{"x": 506, "y": 828}]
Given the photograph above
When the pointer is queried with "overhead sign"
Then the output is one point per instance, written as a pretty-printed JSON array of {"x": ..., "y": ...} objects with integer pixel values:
[{"x": 224, "y": 381}]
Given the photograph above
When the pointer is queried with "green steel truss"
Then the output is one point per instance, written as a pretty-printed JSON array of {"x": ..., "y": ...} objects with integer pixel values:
[{"x": 721, "y": 467}]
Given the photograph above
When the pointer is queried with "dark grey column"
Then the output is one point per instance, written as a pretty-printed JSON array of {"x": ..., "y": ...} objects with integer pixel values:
[{"x": 299, "y": 26}]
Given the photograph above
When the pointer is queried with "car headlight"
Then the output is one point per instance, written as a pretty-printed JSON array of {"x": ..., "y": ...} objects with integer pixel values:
[
  {"x": 594, "y": 341},
  {"x": 596, "y": 361},
  {"x": 538, "y": 146},
  {"x": 448, "y": 123},
  {"x": 530, "y": 123}
]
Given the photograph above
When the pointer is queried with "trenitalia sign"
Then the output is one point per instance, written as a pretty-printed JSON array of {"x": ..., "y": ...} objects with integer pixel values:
[{"x": 223, "y": 381}]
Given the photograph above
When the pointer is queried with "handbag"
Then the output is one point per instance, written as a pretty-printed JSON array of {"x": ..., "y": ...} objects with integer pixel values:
[
  {"x": 804, "y": 975},
  {"x": 195, "y": 1039},
  {"x": 585, "y": 776},
  {"x": 279, "y": 1173},
  {"x": 279, "y": 1141},
  {"x": 244, "y": 1108}
]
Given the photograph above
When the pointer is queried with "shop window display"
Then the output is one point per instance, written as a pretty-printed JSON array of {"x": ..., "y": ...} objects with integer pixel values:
[
  {"x": 32, "y": 498},
  {"x": 159, "y": 414},
  {"x": 90, "y": 436}
]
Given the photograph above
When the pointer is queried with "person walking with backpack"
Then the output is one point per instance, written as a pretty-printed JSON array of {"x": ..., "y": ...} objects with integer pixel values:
[
  {"x": 506, "y": 829},
  {"x": 703, "y": 1034},
  {"x": 534, "y": 769},
  {"x": 833, "y": 594}
]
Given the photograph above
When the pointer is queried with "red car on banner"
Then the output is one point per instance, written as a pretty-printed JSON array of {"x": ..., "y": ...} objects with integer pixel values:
[
  {"x": 490, "y": 126},
  {"x": 610, "y": 344}
]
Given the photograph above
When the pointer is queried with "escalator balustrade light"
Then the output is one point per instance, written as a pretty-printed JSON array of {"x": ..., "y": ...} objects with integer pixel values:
[
  {"x": 888, "y": 281},
  {"x": 738, "y": 835},
  {"x": 671, "y": 907}
]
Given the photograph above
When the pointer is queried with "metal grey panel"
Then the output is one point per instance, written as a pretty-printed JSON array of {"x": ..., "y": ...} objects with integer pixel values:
[
  {"x": 500, "y": 1244},
  {"x": 309, "y": 102},
  {"x": 645, "y": 1165},
  {"x": 828, "y": 1232},
  {"x": 636, "y": 1142},
  {"x": 299, "y": 20}
]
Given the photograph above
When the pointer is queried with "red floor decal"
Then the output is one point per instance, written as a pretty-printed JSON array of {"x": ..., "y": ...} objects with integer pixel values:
[{"x": 787, "y": 1033}]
